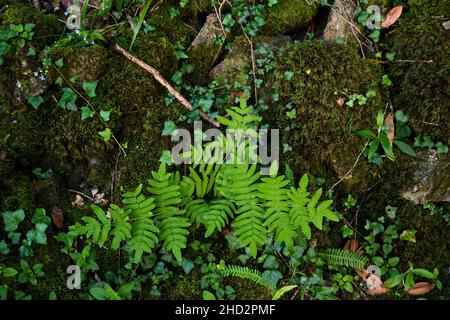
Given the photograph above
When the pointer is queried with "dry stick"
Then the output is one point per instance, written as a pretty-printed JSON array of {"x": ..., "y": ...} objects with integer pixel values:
[
  {"x": 158, "y": 77},
  {"x": 351, "y": 169}
]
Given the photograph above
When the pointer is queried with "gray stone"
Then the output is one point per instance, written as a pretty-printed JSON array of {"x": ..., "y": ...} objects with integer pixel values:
[{"x": 429, "y": 178}]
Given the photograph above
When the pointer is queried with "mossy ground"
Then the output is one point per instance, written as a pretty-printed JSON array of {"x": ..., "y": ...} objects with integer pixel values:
[
  {"x": 320, "y": 131},
  {"x": 422, "y": 85}
]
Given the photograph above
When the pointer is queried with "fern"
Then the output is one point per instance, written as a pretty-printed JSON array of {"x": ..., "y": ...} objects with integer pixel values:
[
  {"x": 96, "y": 230},
  {"x": 275, "y": 197},
  {"x": 298, "y": 213},
  {"x": 121, "y": 226},
  {"x": 245, "y": 273},
  {"x": 213, "y": 215},
  {"x": 143, "y": 235},
  {"x": 344, "y": 258},
  {"x": 172, "y": 224},
  {"x": 241, "y": 117},
  {"x": 289, "y": 176},
  {"x": 238, "y": 183}
]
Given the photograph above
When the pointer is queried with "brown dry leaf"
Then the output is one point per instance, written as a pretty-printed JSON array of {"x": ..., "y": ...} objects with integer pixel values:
[
  {"x": 363, "y": 274},
  {"x": 392, "y": 16},
  {"x": 341, "y": 102},
  {"x": 352, "y": 245},
  {"x": 382, "y": 290},
  {"x": 421, "y": 288},
  {"x": 2, "y": 155},
  {"x": 79, "y": 201},
  {"x": 57, "y": 217},
  {"x": 389, "y": 122}
]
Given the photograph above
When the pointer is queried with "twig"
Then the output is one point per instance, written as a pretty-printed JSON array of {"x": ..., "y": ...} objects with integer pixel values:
[
  {"x": 351, "y": 169},
  {"x": 158, "y": 77},
  {"x": 81, "y": 194},
  {"x": 252, "y": 54}
]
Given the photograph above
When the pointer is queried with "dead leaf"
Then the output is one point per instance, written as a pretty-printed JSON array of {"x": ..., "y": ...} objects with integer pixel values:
[
  {"x": 363, "y": 274},
  {"x": 392, "y": 16},
  {"x": 79, "y": 201},
  {"x": 421, "y": 288},
  {"x": 389, "y": 122},
  {"x": 352, "y": 245},
  {"x": 373, "y": 282},
  {"x": 57, "y": 217},
  {"x": 382, "y": 290},
  {"x": 446, "y": 25}
]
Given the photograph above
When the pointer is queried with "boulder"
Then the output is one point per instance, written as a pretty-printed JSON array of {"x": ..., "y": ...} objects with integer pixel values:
[
  {"x": 429, "y": 178},
  {"x": 338, "y": 26}
]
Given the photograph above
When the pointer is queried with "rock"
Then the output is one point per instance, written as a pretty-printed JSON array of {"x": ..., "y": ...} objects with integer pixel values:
[
  {"x": 28, "y": 81},
  {"x": 203, "y": 51},
  {"x": 237, "y": 64},
  {"x": 337, "y": 27},
  {"x": 289, "y": 16},
  {"x": 210, "y": 31},
  {"x": 429, "y": 178},
  {"x": 317, "y": 133}
]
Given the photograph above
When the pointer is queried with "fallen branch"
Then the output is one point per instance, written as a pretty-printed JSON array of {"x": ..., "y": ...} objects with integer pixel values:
[{"x": 158, "y": 77}]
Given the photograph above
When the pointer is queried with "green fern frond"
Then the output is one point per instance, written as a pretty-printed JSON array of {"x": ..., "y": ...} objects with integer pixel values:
[
  {"x": 245, "y": 273},
  {"x": 344, "y": 258},
  {"x": 143, "y": 234},
  {"x": 298, "y": 212},
  {"x": 241, "y": 117},
  {"x": 276, "y": 201},
  {"x": 121, "y": 226},
  {"x": 213, "y": 215},
  {"x": 172, "y": 224},
  {"x": 289, "y": 176},
  {"x": 238, "y": 183}
]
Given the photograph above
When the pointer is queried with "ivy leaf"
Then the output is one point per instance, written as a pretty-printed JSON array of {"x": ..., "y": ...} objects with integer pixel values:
[
  {"x": 40, "y": 217},
  {"x": 288, "y": 75},
  {"x": 86, "y": 113},
  {"x": 272, "y": 277},
  {"x": 59, "y": 63},
  {"x": 12, "y": 219},
  {"x": 68, "y": 99},
  {"x": 4, "y": 250},
  {"x": 35, "y": 102},
  {"x": 169, "y": 128},
  {"x": 90, "y": 87},
  {"x": 105, "y": 115},
  {"x": 208, "y": 295},
  {"x": 106, "y": 134}
]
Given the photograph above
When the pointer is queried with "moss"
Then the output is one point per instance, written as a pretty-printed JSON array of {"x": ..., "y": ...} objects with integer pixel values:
[
  {"x": 322, "y": 133},
  {"x": 47, "y": 28},
  {"x": 80, "y": 64},
  {"x": 289, "y": 16},
  {"x": 202, "y": 57},
  {"x": 430, "y": 7},
  {"x": 422, "y": 90},
  {"x": 18, "y": 194}
]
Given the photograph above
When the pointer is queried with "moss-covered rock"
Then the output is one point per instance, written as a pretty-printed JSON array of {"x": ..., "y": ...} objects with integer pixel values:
[
  {"x": 430, "y": 7},
  {"x": 422, "y": 87},
  {"x": 47, "y": 27},
  {"x": 310, "y": 78},
  {"x": 289, "y": 16}
]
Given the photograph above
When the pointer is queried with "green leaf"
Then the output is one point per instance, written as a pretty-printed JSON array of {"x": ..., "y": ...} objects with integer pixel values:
[
  {"x": 400, "y": 116},
  {"x": 208, "y": 295},
  {"x": 52, "y": 296},
  {"x": 105, "y": 115},
  {"x": 405, "y": 148},
  {"x": 35, "y": 102},
  {"x": 272, "y": 277},
  {"x": 424, "y": 273},
  {"x": 169, "y": 128},
  {"x": 9, "y": 272},
  {"x": 288, "y": 75},
  {"x": 393, "y": 261},
  {"x": 409, "y": 235},
  {"x": 12, "y": 219},
  {"x": 366, "y": 134},
  {"x": 394, "y": 281},
  {"x": 106, "y": 134},
  {"x": 40, "y": 217},
  {"x": 89, "y": 88},
  {"x": 59, "y": 63},
  {"x": 86, "y": 113},
  {"x": 68, "y": 99},
  {"x": 384, "y": 140}
]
